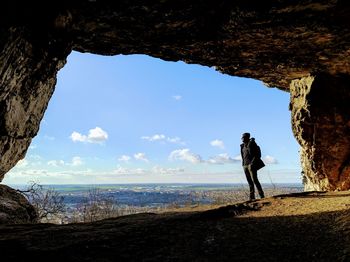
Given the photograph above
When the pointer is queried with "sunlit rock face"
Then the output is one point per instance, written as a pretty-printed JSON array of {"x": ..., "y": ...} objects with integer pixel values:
[
  {"x": 321, "y": 123},
  {"x": 272, "y": 41}
]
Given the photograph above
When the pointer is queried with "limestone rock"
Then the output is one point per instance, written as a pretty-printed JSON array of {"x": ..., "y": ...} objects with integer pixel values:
[
  {"x": 321, "y": 123},
  {"x": 272, "y": 41},
  {"x": 15, "y": 208}
]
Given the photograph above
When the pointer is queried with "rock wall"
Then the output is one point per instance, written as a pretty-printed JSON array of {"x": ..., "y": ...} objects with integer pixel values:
[
  {"x": 321, "y": 124},
  {"x": 27, "y": 80},
  {"x": 273, "y": 41},
  {"x": 15, "y": 208}
]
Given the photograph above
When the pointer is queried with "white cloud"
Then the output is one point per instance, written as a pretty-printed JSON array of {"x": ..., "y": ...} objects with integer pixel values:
[
  {"x": 141, "y": 156},
  {"x": 270, "y": 160},
  {"x": 185, "y": 155},
  {"x": 161, "y": 137},
  {"x": 34, "y": 157},
  {"x": 22, "y": 163},
  {"x": 175, "y": 140},
  {"x": 43, "y": 176},
  {"x": 218, "y": 143},
  {"x": 238, "y": 158},
  {"x": 128, "y": 171},
  {"x": 34, "y": 160},
  {"x": 96, "y": 135},
  {"x": 28, "y": 162},
  {"x": 77, "y": 137},
  {"x": 162, "y": 170},
  {"x": 124, "y": 158},
  {"x": 88, "y": 176},
  {"x": 222, "y": 159},
  {"x": 77, "y": 161},
  {"x": 155, "y": 137},
  {"x": 55, "y": 163},
  {"x": 177, "y": 97}
]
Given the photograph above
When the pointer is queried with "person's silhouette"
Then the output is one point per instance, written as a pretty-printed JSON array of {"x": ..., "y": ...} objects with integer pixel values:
[{"x": 250, "y": 153}]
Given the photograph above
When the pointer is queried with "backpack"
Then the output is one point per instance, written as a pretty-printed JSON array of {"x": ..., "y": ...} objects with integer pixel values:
[
  {"x": 258, "y": 163},
  {"x": 258, "y": 151},
  {"x": 257, "y": 148}
]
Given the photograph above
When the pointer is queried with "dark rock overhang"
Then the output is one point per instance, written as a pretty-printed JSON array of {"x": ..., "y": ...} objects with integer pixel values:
[{"x": 277, "y": 42}]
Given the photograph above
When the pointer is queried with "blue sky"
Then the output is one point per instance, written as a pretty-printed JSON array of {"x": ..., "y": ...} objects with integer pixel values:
[{"x": 138, "y": 119}]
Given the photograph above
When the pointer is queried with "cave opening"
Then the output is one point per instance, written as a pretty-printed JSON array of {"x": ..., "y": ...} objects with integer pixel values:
[
  {"x": 138, "y": 119},
  {"x": 297, "y": 48}
]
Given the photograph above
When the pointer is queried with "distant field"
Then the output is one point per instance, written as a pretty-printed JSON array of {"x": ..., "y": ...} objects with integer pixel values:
[
  {"x": 158, "y": 187},
  {"x": 94, "y": 202}
]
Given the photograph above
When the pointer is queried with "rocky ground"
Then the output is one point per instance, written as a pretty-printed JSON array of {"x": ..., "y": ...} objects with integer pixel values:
[{"x": 295, "y": 227}]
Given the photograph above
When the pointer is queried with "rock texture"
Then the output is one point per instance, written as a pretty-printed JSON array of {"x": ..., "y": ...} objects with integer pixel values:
[
  {"x": 321, "y": 123},
  {"x": 15, "y": 208},
  {"x": 272, "y": 41}
]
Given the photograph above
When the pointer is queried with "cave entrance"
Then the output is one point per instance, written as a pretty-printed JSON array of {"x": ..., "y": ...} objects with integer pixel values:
[{"x": 138, "y": 119}]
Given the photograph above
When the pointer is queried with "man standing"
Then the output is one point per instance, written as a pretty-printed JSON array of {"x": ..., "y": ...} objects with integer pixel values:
[{"x": 251, "y": 162}]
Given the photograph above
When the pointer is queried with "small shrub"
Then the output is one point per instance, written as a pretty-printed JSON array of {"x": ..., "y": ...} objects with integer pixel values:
[{"x": 48, "y": 203}]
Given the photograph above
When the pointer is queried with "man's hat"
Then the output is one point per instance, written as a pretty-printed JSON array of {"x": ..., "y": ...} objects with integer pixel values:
[{"x": 246, "y": 135}]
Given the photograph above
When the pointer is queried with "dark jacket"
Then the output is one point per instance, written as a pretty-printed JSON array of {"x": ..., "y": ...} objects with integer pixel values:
[{"x": 254, "y": 155}]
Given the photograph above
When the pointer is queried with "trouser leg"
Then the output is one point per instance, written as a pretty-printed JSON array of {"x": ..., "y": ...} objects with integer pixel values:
[
  {"x": 254, "y": 175},
  {"x": 250, "y": 182}
]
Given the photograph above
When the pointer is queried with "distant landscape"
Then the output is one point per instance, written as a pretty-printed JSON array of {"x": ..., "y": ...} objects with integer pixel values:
[{"x": 86, "y": 203}]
